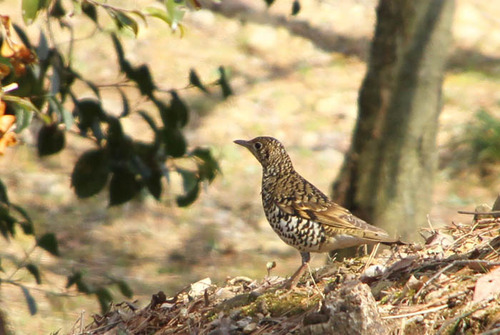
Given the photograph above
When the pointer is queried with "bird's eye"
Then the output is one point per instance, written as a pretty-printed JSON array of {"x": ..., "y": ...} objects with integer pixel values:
[{"x": 257, "y": 145}]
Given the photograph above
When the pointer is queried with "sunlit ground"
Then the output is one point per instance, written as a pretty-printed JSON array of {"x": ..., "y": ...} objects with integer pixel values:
[{"x": 285, "y": 87}]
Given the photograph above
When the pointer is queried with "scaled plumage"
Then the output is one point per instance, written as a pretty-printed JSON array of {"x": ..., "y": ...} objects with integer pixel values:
[{"x": 299, "y": 213}]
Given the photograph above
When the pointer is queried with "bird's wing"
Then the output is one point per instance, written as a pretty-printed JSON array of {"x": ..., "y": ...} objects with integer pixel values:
[{"x": 310, "y": 203}]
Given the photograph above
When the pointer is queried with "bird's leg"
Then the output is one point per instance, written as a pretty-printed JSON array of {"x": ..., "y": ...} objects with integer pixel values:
[{"x": 294, "y": 279}]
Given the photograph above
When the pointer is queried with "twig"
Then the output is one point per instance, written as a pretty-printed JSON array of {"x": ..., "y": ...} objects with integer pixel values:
[
  {"x": 479, "y": 213},
  {"x": 427, "y": 283},
  {"x": 425, "y": 311},
  {"x": 82, "y": 315},
  {"x": 445, "y": 325},
  {"x": 430, "y": 224},
  {"x": 492, "y": 331},
  {"x": 314, "y": 282},
  {"x": 449, "y": 266},
  {"x": 371, "y": 257},
  {"x": 34, "y": 288},
  {"x": 21, "y": 265}
]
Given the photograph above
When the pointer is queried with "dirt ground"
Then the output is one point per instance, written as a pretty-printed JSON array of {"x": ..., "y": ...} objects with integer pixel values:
[{"x": 287, "y": 86}]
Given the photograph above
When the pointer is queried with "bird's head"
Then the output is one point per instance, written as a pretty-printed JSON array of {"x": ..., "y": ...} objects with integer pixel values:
[{"x": 269, "y": 152}]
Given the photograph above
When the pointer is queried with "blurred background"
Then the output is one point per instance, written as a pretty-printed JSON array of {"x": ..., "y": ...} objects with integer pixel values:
[{"x": 286, "y": 84}]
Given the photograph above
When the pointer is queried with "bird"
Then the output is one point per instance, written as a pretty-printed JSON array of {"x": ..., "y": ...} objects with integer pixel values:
[{"x": 300, "y": 214}]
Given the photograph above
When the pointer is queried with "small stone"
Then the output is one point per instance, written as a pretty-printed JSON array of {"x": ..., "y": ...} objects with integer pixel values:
[
  {"x": 243, "y": 322},
  {"x": 198, "y": 288},
  {"x": 249, "y": 328},
  {"x": 224, "y": 293}
]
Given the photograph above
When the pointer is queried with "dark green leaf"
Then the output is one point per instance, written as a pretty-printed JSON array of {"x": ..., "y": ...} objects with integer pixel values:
[
  {"x": 33, "y": 269},
  {"x": 28, "y": 228},
  {"x": 295, "y": 7},
  {"x": 51, "y": 140},
  {"x": 125, "y": 288},
  {"x": 191, "y": 188},
  {"x": 269, "y": 2},
  {"x": 178, "y": 107},
  {"x": 118, "y": 48},
  {"x": 4, "y": 215},
  {"x": 194, "y": 80},
  {"x": 27, "y": 224},
  {"x": 89, "y": 10},
  {"x": 1, "y": 268},
  {"x": 115, "y": 129},
  {"x": 48, "y": 242},
  {"x": 120, "y": 146},
  {"x": 73, "y": 279},
  {"x": 23, "y": 117},
  {"x": 175, "y": 143},
  {"x": 30, "y": 9},
  {"x": 63, "y": 113},
  {"x": 123, "y": 20},
  {"x": 224, "y": 83},
  {"x": 57, "y": 10},
  {"x": 42, "y": 50},
  {"x": 168, "y": 117},
  {"x": 4, "y": 230},
  {"x": 55, "y": 81},
  {"x": 142, "y": 76},
  {"x": 105, "y": 298},
  {"x": 149, "y": 120},
  {"x": 84, "y": 287},
  {"x": 23, "y": 110},
  {"x": 22, "y": 34},
  {"x": 90, "y": 114},
  {"x": 29, "y": 300},
  {"x": 90, "y": 173},
  {"x": 125, "y": 104},
  {"x": 7, "y": 222},
  {"x": 123, "y": 187},
  {"x": 3, "y": 194},
  {"x": 154, "y": 184},
  {"x": 208, "y": 167},
  {"x": 125, "y": 66}
]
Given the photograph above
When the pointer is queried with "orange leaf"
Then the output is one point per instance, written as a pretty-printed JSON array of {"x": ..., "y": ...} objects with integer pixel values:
[
  {"x": 7, "y": 140},
  {"x": 6, "y": 121}
]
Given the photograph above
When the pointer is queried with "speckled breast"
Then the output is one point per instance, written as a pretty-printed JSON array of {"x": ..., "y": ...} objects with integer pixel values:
[{"x": 304, "y": 235}]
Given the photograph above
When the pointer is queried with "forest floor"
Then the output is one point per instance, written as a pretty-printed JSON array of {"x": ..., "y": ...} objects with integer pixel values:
[
  {"x": 293, "y": 88},
  {"x": 449, "y": 285}
]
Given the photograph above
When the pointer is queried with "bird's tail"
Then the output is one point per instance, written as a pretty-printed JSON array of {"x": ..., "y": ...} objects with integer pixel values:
[{"x": 395, "y": 241}]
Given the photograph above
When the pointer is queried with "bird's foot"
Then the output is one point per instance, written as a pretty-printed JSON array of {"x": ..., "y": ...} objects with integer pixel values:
[{"x": 294, "y": 279}]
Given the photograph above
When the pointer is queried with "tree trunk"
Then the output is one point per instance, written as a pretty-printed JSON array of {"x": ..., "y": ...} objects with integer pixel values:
[{"x": 387, "y": 175}]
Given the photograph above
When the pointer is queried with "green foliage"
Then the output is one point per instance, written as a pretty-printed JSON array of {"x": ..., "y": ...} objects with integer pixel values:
[
  {"x": 51, "y": 140},
  {"x": 12, "y": 215},
  {"x": 49, "y": 243},
  {"x": 478, "y": 146},
  {"x": 128, "y": 165},
  {"x": 101, "y": 292},
  {"x": 295, "y": 7},
  {"x": 33, "y": 269},
  {"x": 484, "y": 137},
  {"x": 29, "y": 300},
  {"x": 38, "y": 82},
  {"x": 90, "y": 173}
]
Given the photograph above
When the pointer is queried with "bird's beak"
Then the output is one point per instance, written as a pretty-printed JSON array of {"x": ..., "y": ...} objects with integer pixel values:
[{"x": 243, "y": 143}]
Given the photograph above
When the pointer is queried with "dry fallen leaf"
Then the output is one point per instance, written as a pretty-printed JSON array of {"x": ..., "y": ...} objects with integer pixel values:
[{"x": 487, "y": 286}]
